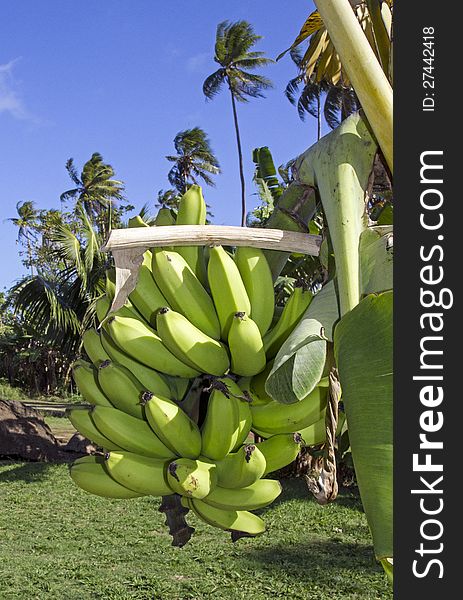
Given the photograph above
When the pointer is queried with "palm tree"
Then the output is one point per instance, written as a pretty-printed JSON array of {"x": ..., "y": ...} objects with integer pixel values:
[
  {"x": 340, "y": 100},
  {"x": 232, "y": 53},
  {"x": 194, "y": 160},
  {"x": 26, "y": 222},
  {"x": 309, "y": 100},
  {"x": 95, "y": 190},
  {"x": 59, "y": 306}
]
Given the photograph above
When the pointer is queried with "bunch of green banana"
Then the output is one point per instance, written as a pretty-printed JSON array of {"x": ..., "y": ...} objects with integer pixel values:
[{"x": 198, "y": 318}]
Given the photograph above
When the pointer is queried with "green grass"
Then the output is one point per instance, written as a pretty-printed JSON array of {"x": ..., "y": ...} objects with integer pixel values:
[
  {"x": 8, "y": 392},
  {"x": 61, "y": 426},
  {"x": 59, "y": 542}
]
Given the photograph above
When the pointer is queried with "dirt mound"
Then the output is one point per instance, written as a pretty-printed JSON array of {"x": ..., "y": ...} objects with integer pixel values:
[{"x": 24, "y": 435}]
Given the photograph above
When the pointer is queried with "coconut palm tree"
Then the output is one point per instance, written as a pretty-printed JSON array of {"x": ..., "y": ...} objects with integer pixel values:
[
  {"x": 232, "y": 52},
  {"x": 194, "y": 160},
  {"x": 340, "y": 101},
  {"x": 26, "y": 221},
  {"x": 95, "y": 191}
]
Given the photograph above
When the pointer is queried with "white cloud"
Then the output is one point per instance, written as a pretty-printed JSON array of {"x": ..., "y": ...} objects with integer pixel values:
[
  {"x": 10, "y": 99},
  {"x": 198, "y": 62}
]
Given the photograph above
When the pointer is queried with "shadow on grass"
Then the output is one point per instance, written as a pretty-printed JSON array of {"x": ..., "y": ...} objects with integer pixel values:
[
  {"x": 306, "y": 561},
  {"x": 296, "y": 489},
  {"x": 26, "y": 472}
]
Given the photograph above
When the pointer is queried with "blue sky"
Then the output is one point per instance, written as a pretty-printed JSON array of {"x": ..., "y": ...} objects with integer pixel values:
[{"x": 122, "y": 78}]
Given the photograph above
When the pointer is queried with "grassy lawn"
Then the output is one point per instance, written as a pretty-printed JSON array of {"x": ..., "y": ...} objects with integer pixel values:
[
  {"x": 57, "y": 542},
  {"x": 61, "y": 427}
]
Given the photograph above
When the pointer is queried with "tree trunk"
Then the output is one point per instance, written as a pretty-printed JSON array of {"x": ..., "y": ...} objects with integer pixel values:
[{"x": 240, "y": 160}]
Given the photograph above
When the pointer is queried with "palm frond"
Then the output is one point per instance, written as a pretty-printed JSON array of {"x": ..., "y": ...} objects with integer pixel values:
[
  {"x": 68, "y": 248},
  {"x": 41, "y": 305},
  {"x": 72, "y": 171},
  {"x": 92, "y": 245},
  {"x": 293, "y": 88},
  {"x": 213, "y": 84},
  {"x": 340, "y": 102},
  {"x": 309, "y": 100},
  {"x": 252, "y": 63},
  {"x": 70, "y": 194}
]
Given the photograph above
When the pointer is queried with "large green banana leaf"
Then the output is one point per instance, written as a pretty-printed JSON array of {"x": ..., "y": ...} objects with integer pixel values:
[
  {"x": 376, "y": 259},
  {"x": 300, "y": 362},
  {"x": 363, "y": 351},
  {"x": 266, "y": 172}
]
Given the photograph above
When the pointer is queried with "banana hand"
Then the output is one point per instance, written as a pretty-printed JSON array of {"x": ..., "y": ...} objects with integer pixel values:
[{"x": 184, "y": 291}]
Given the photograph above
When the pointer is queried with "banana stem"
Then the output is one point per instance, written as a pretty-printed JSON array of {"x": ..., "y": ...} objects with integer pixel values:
[
  {"x": 361, "y": 65},
  {"x": 339, "y": 166}
]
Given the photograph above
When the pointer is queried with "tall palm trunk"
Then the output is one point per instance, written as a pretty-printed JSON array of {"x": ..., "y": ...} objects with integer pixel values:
[
  {"x": 240, "y": 159},
  {"x": 29, "y": 253},
  {"x": 319, "y": 116}
]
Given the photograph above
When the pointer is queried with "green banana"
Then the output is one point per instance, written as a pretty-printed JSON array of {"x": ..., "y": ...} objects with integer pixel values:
[
  {"x": 121, "y": 387},
  {"x": 147, "y": 298},
  {"x": 280, "y": 450},
  {"x": 102, "y": 306},
  {"x": 227, "y": 288},
  {"x": 192, "y": 211},
  {"x": 93, "y": 348},
  {"x": 192, "y": 478},
  {"x": 257, "y": 386},
  {"x": 274, "y": 418},
  {"x": 164, "y": 217},
  {"x": 241, "y": 468},
  {"x": 86, "y": 379},
  {"x": 178, "y": 388},
  {"x": 139, "y": 473},
  {"x": 137, "y": 221},
  {"x": 172, "y": 425},
  {"x": 82, "y": 421},
  {"x": 257, "y": 278},
  {"x": 142, "y": 343},
  {"x": 257, "y": 495},
  {"x": 92, "y": 477},
  {"x": 129, "y": 433},
  {"x": 221, "y": 425},
  {"x": 246, "y": 346},
  {"x": 292, "y": 313},
  {"x": 149, "y": 378},
  {"x": 252, "y": 397},
  {"x": 314, "y": 434},
  {"x": 230, "y": 520},
  {"x": 111, "y": 283},
  {"x": 236, "y": 395},
  {"x": 184, "y": 291},
  {"x": 190, "y": 345}
]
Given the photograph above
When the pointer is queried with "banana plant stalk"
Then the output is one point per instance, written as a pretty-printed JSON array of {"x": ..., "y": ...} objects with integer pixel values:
[
  {"x": 362, "y": 67},
  {"x": 339, "y": 166}
]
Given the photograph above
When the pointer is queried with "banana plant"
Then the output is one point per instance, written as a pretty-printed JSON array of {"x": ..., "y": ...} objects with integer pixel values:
[
  {"x": 339, "y": 168},
  {"x": 352, "y": 314}
]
